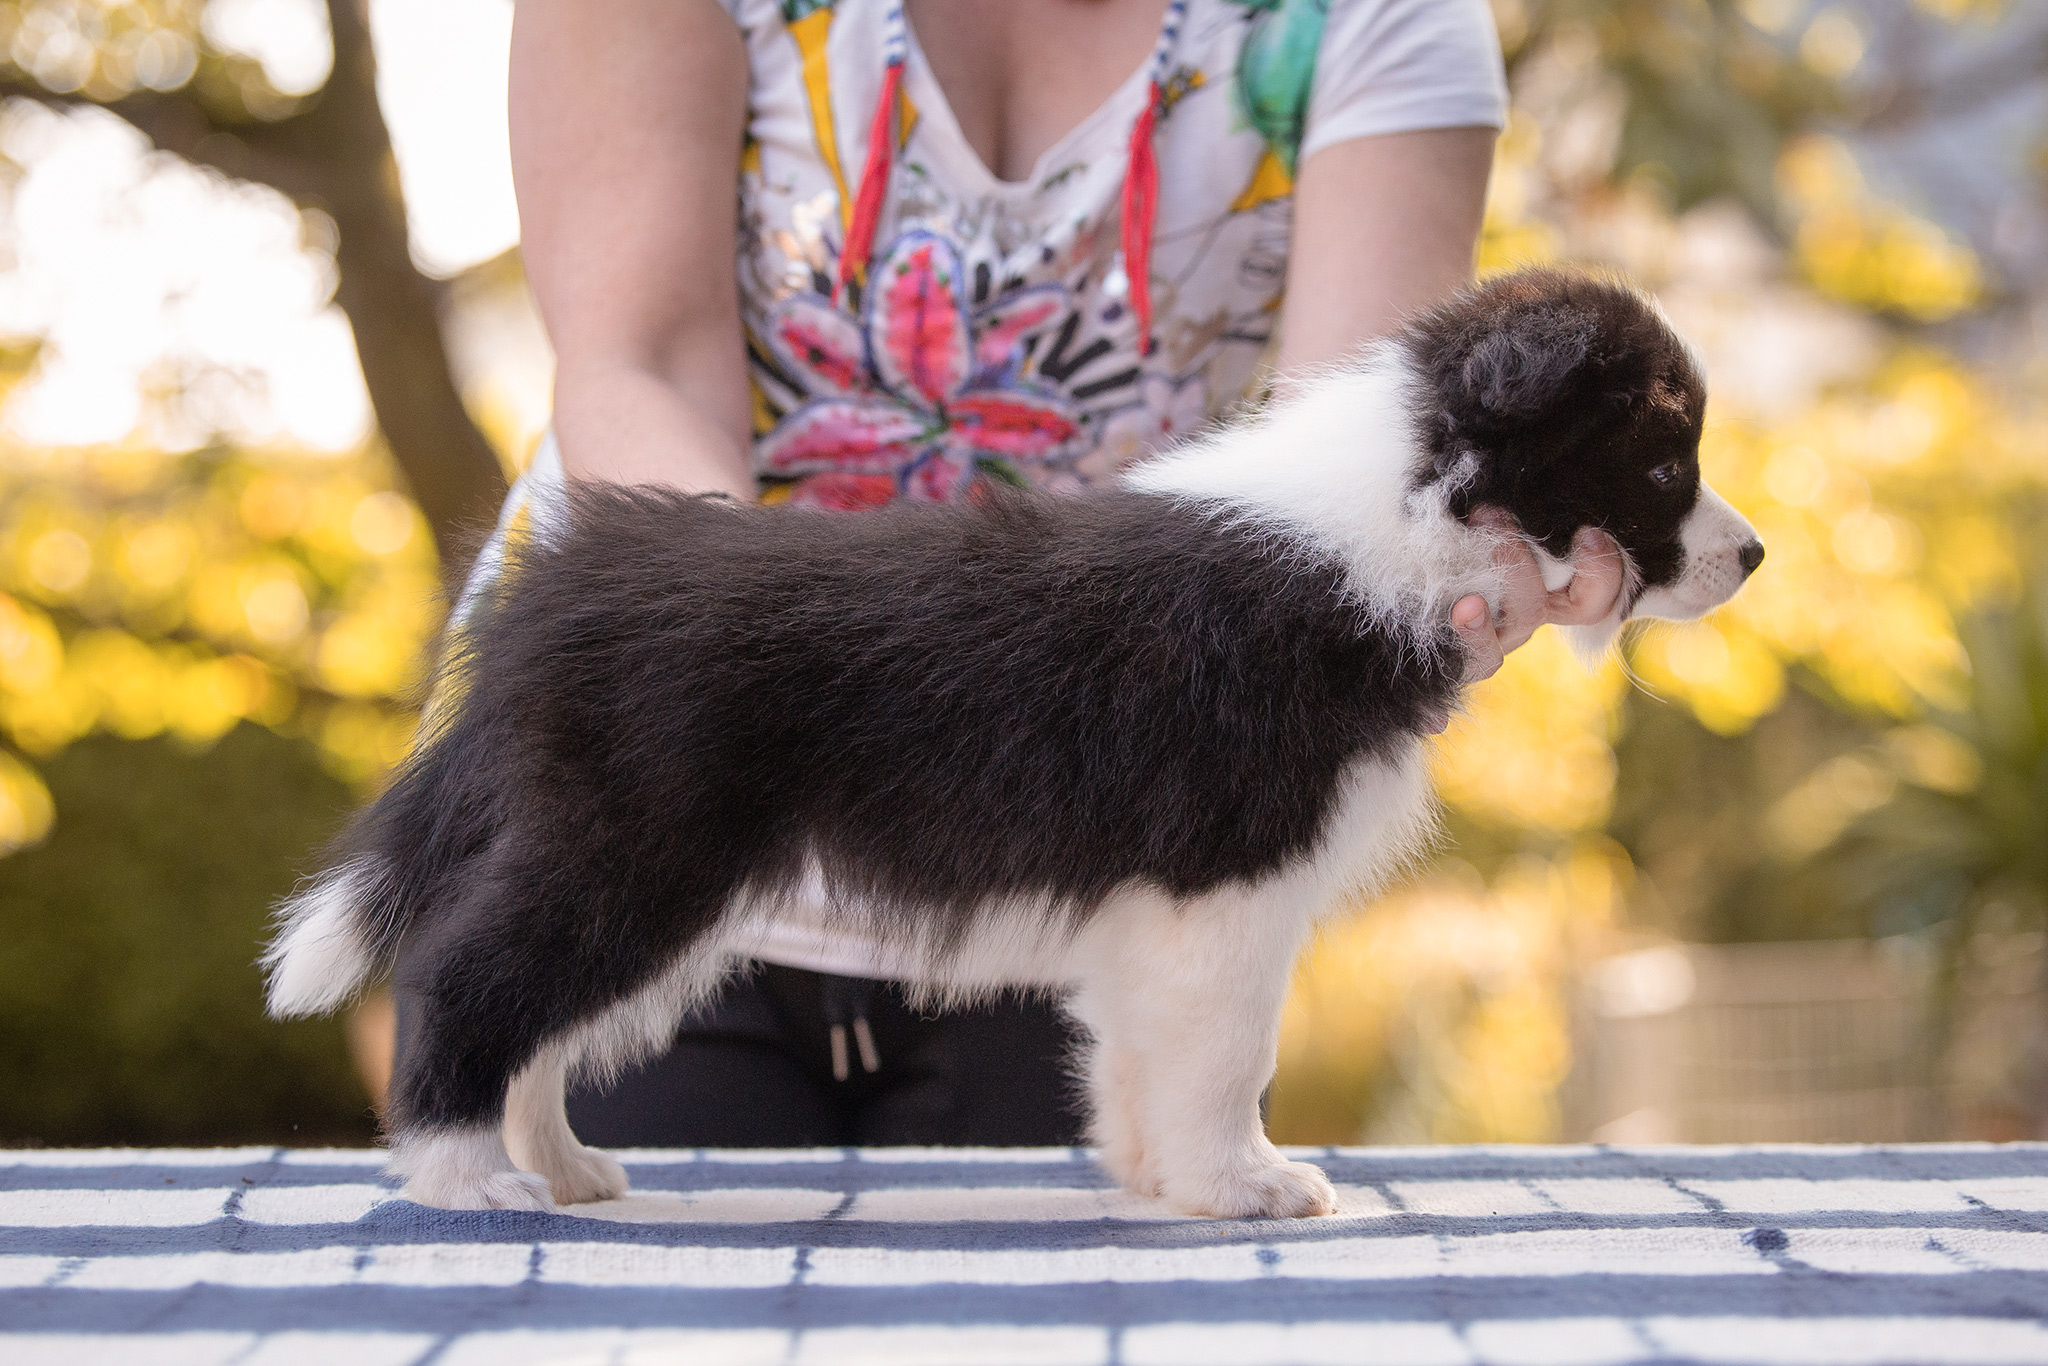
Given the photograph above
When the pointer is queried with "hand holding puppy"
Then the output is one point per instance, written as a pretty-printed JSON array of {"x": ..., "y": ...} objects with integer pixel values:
[{"x": 1527, "y": 604}]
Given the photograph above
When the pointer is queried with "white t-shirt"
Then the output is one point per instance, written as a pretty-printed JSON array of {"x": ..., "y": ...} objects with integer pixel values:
[{"x": 995, "y": 339}]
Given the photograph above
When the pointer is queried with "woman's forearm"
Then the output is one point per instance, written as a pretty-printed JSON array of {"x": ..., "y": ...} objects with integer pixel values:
[
  {"x": 627, "y": 119},
  {"x": 627, "y": 424}
]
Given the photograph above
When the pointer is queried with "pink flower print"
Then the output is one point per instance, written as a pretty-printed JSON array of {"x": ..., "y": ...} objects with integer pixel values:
[
  {"x": 917, "y": 322},
  {"x": 844, "y": 492},
  {"x": 1010, "y": 422},
  {"x": 1004, "y": 323},
  {"x": 822, "y": 345},
  {"x": 940, "y": 477},
  {"x": 857, "y": 434},
  {"x": 914, "y": 396}
]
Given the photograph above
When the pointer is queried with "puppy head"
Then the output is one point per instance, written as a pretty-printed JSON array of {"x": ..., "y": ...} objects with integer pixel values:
[{"x": 1569, "y": 402}]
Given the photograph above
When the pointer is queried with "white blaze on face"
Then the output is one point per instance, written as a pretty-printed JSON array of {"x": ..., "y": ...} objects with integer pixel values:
[{"x": 1714, "y": 536}]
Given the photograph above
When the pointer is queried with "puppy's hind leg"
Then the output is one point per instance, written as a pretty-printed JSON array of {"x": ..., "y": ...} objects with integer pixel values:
[
  {"x": 556, "y": 943},
  {"x": 538, "y": 1137},
  {"x": 464, "y": 1167},
  {"x": 485, "y": 980},
  {"x": 449, "y": 1087}
]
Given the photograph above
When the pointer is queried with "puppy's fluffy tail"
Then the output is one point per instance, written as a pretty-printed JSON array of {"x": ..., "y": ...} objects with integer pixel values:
[
  {"x": 332, "y": 937},
  {"x": 407, "y": 851},
  {"x": 342, "y": 929}
]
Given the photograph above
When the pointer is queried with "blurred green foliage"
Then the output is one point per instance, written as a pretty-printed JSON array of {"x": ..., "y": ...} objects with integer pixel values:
[
  {"x": 1962, "y": 848},
  {"x": 1709, "y": 96},
  {"x": 130, "y": 1005}
]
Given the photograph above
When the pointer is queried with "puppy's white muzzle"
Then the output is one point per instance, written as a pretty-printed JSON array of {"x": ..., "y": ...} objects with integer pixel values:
[{"x": 1721, "y": 551}]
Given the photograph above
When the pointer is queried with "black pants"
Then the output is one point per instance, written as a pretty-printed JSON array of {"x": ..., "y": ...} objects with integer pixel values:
[{"x": 758, "y": 1067}]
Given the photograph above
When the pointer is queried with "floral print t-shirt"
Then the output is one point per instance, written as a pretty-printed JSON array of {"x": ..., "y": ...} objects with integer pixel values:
[{"x": 993, "y": 337}]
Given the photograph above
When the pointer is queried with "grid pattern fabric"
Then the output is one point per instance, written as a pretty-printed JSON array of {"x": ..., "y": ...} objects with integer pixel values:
[{"x": 279, "y": 1257}]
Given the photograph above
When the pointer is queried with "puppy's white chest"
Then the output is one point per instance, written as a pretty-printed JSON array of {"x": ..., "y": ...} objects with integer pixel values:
[{"x": 1381, "y": 821}]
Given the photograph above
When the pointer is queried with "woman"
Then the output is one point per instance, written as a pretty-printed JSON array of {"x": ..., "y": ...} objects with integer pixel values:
[{"x": 979, "y": 242}]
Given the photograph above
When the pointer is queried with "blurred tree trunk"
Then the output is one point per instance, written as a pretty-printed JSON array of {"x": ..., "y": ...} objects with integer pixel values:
[
  {"x": 345, "y": 150},
  {"x": 334, "y": 153}
]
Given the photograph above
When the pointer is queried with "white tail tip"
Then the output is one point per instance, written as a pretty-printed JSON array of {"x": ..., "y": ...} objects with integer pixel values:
[{"x": 318, "y": 959}]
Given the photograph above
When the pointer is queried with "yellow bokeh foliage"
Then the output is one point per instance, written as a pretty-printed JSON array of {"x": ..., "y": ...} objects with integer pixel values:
[
  {"x": 1881, "y": 508},
  {"x": 1439, "y": 1014},
  {"x": 1864, "y": 251},
  {"x": 26, "y": 812},
  {"x": 145, "y": 593},
  {"x": 109, "y": 50},
  {"x": 1531, "y": 748}
]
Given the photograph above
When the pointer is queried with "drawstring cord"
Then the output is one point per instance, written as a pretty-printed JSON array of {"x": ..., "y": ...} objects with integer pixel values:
[
  {"x": 1141, "y": 170},
  {"x": 844, "y": 1002}
]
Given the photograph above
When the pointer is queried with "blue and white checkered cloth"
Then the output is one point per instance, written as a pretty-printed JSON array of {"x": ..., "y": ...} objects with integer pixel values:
[{"x": 265, "y": 1257}]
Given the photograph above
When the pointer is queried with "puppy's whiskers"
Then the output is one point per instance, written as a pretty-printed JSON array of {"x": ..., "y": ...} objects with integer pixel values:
[{"x": 1628, "y": 668}]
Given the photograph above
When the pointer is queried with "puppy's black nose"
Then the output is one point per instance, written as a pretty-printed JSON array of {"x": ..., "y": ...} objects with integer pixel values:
[{"x": 1751, "y": 556}]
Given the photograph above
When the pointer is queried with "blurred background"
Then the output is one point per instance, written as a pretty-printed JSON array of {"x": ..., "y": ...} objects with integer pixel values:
[{"x": 267, "y": 359}]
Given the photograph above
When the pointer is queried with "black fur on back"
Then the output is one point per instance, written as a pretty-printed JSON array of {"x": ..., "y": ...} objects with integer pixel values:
[
  {"x": 676, "y": 701},
  {"x": 1569, "y": 390}
]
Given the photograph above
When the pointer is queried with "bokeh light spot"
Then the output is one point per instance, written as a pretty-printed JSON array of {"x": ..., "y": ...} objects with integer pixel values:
[
  {"x": 276, "y": 609},
  {"x": 60, "y": 560},
  {"x": 383, "y": 523}
]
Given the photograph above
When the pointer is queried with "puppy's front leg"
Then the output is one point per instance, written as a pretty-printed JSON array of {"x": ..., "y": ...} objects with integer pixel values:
[{"x": 1195, "y": 1004}]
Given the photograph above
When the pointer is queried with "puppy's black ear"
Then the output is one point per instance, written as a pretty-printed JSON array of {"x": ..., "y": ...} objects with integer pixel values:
[{"x": 1526, "y": 359}]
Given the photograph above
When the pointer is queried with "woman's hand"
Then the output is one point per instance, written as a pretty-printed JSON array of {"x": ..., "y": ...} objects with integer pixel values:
[{"x": 1526, "y": 603}]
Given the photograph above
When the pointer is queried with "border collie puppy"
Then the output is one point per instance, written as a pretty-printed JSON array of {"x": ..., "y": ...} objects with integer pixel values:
[{"x": 1128, "y": 746}]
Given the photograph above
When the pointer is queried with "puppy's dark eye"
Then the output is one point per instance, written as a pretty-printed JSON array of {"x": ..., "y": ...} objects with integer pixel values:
[{"x": 1667, "y": 476}]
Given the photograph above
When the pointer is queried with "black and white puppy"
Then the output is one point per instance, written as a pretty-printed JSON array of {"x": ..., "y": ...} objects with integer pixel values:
[{"x": 1129, "y": 745}]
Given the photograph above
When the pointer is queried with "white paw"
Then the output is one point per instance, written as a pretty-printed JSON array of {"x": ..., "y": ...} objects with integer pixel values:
[
  {"x": 498, "y": 1190},
  {"x": 586, "y": 1174},
  {"x": 1280, "y": 1190}
]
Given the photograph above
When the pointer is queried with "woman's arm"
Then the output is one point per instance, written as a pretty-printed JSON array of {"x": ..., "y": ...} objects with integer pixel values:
[
  {"x": 627, "y": 118},
  {"x": 1384, "y": 226}
]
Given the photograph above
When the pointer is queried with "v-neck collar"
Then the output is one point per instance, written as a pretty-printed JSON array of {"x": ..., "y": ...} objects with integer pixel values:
[{"x": 964, "y": 166}]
